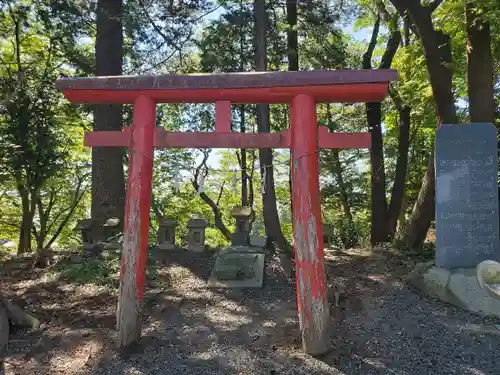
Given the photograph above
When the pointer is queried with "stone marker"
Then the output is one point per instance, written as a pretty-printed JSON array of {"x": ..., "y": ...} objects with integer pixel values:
[
  {"x": 241, "y": 237},
  {"x": 467, "y": 224},
  {"x": 166, "y": 234},
  {"x": 196, "y": 234},
  {"x": 328, "y": 232}
]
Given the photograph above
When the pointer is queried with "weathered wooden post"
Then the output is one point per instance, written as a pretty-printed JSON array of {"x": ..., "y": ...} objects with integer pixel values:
[
  {"x": 135, "y": 240},
  {"x": 308, "y": 236}
]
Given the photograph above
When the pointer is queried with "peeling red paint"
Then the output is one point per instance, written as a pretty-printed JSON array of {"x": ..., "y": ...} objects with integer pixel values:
[
  {"x": 219, "y": 139},
  {"x": 364, "y": 92},
  {"x": 135, "y": 239},
  {"x": 311, "y": 290}
]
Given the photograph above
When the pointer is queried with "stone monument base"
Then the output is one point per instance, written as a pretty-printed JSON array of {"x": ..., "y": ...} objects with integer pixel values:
[
  {"x": 235, "y": 269},
  {"x": 458, "y": 287}
]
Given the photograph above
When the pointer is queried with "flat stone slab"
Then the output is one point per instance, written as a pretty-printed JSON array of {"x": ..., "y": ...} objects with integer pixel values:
[
  {"x": 458, "y": 287},
  {"x": 252, "y": 259}
]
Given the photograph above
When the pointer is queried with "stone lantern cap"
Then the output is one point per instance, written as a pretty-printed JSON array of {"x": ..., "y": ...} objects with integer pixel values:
[
  {"x": 84, "y": 224},
  {"x": 112, "y": 222},
  {"x": 168, "y": 222},
  {"x": 241, "y": 212},
  {"x": 197, "y": 223}
]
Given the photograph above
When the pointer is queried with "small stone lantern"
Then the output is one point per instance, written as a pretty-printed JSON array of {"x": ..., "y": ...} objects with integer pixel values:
[
  {"x": 241, "y": 237},
  {"x": 328, "y": 233},
  {"x": 111, "y": 229},
  {"x": 86, "y": 228},
  {"x": 196, "y": 234},
  {"x": 166, "y": 234}
]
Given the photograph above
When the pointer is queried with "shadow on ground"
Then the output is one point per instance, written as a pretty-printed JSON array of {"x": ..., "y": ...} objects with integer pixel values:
[{"x": 381, "y": 327}]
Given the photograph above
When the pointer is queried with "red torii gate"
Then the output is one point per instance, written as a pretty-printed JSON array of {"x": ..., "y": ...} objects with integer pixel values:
[{"x": 302, "y": 90}]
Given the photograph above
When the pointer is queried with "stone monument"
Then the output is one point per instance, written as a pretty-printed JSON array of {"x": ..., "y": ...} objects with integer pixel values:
[
  {"x": 328, "y": 232},
  {"x": 196, "y": 234},
  {"x": 166, "y": 234},
  {"x": 241, "y": 237},
  {"x": 467, "y": 224}
]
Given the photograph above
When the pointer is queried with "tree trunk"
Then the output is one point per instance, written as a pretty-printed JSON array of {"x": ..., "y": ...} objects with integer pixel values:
[
  {"x": 271, "y": 218},
  {"x": 374, "y": 120},
  {"x": 218, "y": 222},
  {"x": 479, "y": 66},
  {"x": 4, "y": 335},
  {"x": 437, "y": 50},
  {"x": 399, "y": 185},
  {"x": 348, "y": 234},
  {"x": 293, "y": 60},
  {"x": 108, "y": 181},
  {"x": 243, "y": 162},
  {"x": 402, "y": 215},
  {"x": 379, "y": 231},
  {"x": 28, "y": 212}
]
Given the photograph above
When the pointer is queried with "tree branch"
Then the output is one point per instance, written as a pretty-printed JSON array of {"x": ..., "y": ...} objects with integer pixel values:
[
  {"x": 367, "y": 56},
  {"x": 434, "y": 5},
  {"x": 219, "y": 223}
]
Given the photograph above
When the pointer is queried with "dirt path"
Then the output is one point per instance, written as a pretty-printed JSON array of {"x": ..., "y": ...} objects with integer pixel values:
[{"x": 382, "y": 327}]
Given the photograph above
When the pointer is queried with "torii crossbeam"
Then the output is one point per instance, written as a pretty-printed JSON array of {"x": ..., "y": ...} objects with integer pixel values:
[{"x": 302, "y": 90}]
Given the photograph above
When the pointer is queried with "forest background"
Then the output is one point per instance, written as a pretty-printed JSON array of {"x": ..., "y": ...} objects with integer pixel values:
[{"x": 445, "y": 52}]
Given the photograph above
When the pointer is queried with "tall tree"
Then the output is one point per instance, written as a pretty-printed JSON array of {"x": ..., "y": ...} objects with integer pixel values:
[
  {"x": 380, "y": 228},
  {"x": 271, "y": 218},
  {"x": 34, "y": 139},
  {"x": 292, "y": 43},
  {"x": 479, "y": 63},
  {"x": 108, "y": 181},
  {"x": 437, "y": 50}
]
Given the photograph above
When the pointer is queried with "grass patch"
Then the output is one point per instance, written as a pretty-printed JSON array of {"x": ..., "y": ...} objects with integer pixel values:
[{"x": 104, "y": 271}]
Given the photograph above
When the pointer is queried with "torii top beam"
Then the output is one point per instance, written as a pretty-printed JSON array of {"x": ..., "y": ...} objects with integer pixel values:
[{"x": 237, "y": 88}]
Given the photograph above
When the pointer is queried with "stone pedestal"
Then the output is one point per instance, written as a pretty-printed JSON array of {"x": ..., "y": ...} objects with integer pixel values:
[
  {"x": 328, "y": 233},
  {"x": 459, "y": 287},
  {"x": 196, "y": 234},
  {"x": 165, "y": 237},
  {"x": 241, "y": 237},
  {"x": 238, "y": 267}
]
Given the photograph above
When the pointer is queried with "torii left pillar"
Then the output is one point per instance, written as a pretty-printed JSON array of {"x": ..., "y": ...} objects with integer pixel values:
[{"x": 135, "y": 239}]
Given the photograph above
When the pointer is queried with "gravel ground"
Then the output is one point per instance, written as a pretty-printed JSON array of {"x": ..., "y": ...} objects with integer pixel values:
[{"x": 381, "y": 327}]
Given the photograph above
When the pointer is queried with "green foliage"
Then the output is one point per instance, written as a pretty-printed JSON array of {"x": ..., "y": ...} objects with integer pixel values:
[{"x": 44, "y": 169}]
